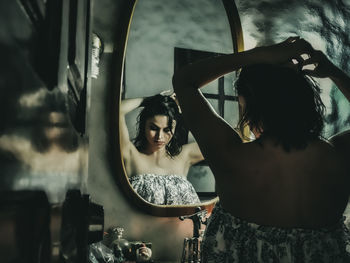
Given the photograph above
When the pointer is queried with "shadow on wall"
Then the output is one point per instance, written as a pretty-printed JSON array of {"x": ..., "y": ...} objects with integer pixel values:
[{"x": 325, "y": 24}]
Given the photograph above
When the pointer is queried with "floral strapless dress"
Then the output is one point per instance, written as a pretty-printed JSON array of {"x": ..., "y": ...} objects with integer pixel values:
[
  {"x": 230, "y": 239},
  {"x": 164, "y": 189}
]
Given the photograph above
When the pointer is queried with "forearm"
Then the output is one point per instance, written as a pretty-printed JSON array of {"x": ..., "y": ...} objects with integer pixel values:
[
  {"x": 128, "y": 105},
  {"x": 202, "y": 72},
  {"x": 342, "y": 80}
]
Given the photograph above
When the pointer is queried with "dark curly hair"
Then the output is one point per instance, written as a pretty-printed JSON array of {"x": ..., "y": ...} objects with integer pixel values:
[
  {"x": 161, "y": 105},
  {"x": 282, "y": 103}
]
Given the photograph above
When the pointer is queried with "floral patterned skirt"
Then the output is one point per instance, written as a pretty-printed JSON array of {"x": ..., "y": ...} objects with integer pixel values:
[
  {"x": 164, "y": 189},
  {"x": 230, "y": 239}
]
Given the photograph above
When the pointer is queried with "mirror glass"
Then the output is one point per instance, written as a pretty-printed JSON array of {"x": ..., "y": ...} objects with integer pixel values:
[{"x": 165, "y": 35}]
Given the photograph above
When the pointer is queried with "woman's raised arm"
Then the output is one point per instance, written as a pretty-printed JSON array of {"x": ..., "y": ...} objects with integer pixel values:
[
  {"x": 325, "y": 68},
  {"x": 126, "y": 106},
  {"x": 212, "y": 132}
]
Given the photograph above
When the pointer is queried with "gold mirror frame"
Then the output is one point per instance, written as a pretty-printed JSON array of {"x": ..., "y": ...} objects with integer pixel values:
[{"x": 116, "y": 159}]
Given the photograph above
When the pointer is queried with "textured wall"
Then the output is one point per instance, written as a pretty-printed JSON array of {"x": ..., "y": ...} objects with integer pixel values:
[
  {"x": 322, "y": 22},
  {"x": 160, "y": 25}
]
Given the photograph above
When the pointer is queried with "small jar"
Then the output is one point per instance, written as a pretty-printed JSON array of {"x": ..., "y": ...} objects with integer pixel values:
[{"x": 120, "y": 245}]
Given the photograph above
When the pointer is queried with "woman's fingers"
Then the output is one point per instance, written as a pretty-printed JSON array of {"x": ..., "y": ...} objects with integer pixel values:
[
  {"x": 299, "y": 46},
  {"x": 322, "y": 65},
  {"x": 310, "y": 72},
  {"x": 303, "y": 57},
  {"x": 317, "y": 57},
  {"x": 295, "y": 48},
  {"x": 309, "y": 61}
]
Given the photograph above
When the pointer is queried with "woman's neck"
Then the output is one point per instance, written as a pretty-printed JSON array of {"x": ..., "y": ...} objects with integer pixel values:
[{"x": 156, "y": 152}]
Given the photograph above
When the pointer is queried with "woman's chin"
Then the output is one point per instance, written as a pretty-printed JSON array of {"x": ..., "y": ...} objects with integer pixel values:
[{"x": 159, "y": 145}]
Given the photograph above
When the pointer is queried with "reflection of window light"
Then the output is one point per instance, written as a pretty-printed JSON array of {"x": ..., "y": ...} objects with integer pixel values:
[
  {"x": 97, "y": 49},
  {"x": 221, "y": 98},
  {"x": 33, "y": 99}
]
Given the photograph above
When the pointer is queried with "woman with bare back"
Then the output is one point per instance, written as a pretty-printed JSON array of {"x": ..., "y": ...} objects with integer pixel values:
[{"x": 282, "y": 195}]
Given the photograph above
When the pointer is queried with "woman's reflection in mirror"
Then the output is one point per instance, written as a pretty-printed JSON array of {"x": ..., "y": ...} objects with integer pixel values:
[{"x": 158, "y": 159}]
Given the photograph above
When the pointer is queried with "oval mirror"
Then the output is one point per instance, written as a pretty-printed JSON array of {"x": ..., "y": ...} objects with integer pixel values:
[{"x": 157, "y": 37}]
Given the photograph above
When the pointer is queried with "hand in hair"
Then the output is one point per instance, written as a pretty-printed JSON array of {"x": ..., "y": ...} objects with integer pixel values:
[
  {"x": 285, "y": 52},
  {"x": 172, "y": 95},
  {"x": 323, "y": 66}
]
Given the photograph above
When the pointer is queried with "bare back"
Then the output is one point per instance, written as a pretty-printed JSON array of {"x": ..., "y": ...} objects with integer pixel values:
[{"x": 269, "y": 186}]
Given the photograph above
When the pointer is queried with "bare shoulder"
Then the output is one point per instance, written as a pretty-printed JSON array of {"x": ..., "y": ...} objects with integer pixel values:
[
  {"x": 323, "y": 147},
  {"x": 333, "y": 153},
  {"x": 341, "y": 144}
]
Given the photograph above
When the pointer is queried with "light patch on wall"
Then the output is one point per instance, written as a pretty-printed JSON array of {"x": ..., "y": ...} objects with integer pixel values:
[
  {"x": 316, "y": 40},
  {"x": 249, "y": 37},
  {"x": 54, "y": 171},
  {"x": 33, "y": 99},
  {"x": 53, "y": 161}
]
